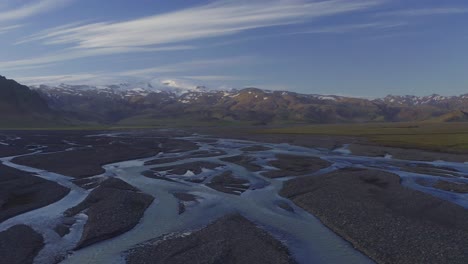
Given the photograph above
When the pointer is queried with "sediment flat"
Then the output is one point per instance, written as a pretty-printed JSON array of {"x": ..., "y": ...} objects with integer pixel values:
[
  {"x": 88, "y": 161},
  {"x": 20, "y": 244},
  {"x": 113, "y": 208},
  {"x": 21, "y": 192},
  {"x": 293, "y": 165},
  {"x": 229, "y": 240},
  {"x": 388, "y": 222}
]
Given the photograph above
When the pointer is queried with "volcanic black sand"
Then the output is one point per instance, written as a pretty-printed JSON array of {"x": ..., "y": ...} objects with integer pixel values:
[
  {"x": 184, "y": 199},
  {"x": 194, "y": 154},
  {"x": 405, "y": 154},
  {"x": 19, "y": 245},
  {"x": 431, "y": 170},
  {"x": 113, "y": 208},
  {"x": 390, "y": 223},
  {"x": 245, "y": 161},
  {"x": 256, "y": 148},
  {"x": 228, "y": 183},
  {"x": 21, "y": 192},
  {"x": 8, "y": 151},
  {"x": 229, "y": 240},
  {"x": 452, "y": 187},
  {"x": 292, "y": 165},
  {"x": 189, "y": 171},
  {"x": 251, "y": 133},
  {"x": 195, "y": 167}
]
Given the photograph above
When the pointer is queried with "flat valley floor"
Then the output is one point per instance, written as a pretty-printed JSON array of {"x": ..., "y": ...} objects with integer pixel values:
[{"x": 172, "y": 196}]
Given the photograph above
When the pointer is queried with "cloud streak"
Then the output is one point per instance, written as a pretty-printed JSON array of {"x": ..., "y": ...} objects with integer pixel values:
[
  {"x": 354, "y": 27},
  {"x": 73, "y": 53},
  {"x": 223, "y": 78},
  {"x": 162, "y": 31},
  {"x": 9, "y": 28},
  {"x": 31, "y": 9},
  {"x": 80, "y": 78},
  {"x": 188, "y": 66},
  {"x": 426, "y": 12},
  {"x": 144, "y": 73},
  {"x": 212, "y": 20}
]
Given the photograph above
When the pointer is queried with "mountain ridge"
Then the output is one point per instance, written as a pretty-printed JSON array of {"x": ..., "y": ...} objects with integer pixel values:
[
  {"x": 112, "y": 103},
  {"x": 146, "y": 103},
  {"x": 21, "y": 106},
  {"x": 173, "y": 87}
]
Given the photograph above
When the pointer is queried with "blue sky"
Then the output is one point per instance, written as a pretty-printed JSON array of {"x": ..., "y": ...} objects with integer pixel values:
[{"x": 348, "y": 47}]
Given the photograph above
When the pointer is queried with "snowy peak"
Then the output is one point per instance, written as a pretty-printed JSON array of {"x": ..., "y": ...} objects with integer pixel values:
[
  {"x": 411, "y": 100},
  {"x": 173, "y": 87},
  {"x": 187, "y": 92}
]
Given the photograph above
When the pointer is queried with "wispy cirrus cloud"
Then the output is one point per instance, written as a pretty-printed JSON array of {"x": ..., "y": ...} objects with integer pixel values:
[
  {"x": 179, "y": 68},
  {"x": 80, "y": 78},
  {"x": 9, "y": 28},
  {"x": 211, "y": 20},
  {"x": 353, "y": 27},
  {"x": 73, "y": 53},
  {"x": 426, "y": 12},
  {"x": 216, "y": 19},
  {"x": 189, "y": 66},
  {"x": 50, "y": 32},
  {"x": 102, "y": 78},
  {"x": 223, "y": 78},
  {"x": 32, "y": 8}
]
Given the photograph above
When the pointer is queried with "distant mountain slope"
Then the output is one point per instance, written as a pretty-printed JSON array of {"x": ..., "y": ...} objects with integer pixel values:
[
  {"x": 17, "y": 99},
  {"x": 454, "y": 116},
  {"x": 21, "y": 106},
  {"x": 132, "y": 103}
]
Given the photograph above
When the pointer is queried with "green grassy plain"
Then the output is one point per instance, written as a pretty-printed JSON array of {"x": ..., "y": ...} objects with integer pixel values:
[
  {"x": 430, "y": 136},
  {"x": 437, "y": 136},
  {"x": 140, "y": 122}
]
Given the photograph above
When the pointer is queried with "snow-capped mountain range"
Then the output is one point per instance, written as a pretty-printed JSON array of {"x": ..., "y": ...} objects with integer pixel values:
[
  {"x": 174, "y": 87},
  {"x": 179, "y": 99},
  {"x": 179, "y": 88},
  {"x": 157, "y": 101},
  {"x": 422, "y": 100}
]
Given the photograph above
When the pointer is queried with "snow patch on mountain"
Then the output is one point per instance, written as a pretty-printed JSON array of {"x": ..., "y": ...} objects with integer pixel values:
[
  {"x": 186, "y": 92},
  {"x": 126, "y": 89}
]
